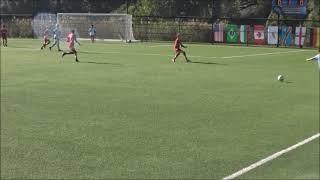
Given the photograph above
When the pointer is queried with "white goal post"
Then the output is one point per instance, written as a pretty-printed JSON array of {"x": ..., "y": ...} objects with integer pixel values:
[{"x": 109, "y": 27}]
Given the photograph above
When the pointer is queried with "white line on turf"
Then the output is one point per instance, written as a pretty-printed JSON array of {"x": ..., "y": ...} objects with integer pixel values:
[
  {"x": 221, "y": 46},
  {"x": 205, "y": 57},
  {"x": 167, "y": 55},
  {"x": 160, "y": 45},
  {"x": 270, "y": 158},
  {"x": 262, "y": 54}
]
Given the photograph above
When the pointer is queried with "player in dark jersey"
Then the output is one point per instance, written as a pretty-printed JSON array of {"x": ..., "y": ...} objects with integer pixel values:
[
  {"x": 4, "y": 36},
  {"x": 177, "y": 49}
]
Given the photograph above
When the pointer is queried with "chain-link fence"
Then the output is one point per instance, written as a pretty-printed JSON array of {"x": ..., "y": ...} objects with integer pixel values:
[
  {"x": 252, "y": 31},
  {"x": 18, "y": 25}
]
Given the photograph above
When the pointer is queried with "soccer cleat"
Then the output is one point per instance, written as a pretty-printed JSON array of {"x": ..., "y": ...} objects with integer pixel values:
[
  {"x": 50, "y": 48},
  {"x": 63, "y": 54},
  {"x": 77, "y": 60},
  {"x": 173, "y": 60}
]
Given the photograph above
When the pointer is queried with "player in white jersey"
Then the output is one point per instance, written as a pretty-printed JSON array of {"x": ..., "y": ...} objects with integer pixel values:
[
  {"x": 56, "y": 37},
  {"x": 92, "y": 33},
  {"x": 316, "y": 58}
]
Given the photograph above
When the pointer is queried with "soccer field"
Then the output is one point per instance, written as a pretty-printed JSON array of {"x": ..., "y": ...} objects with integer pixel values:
[{"x": 126, "y": 111}]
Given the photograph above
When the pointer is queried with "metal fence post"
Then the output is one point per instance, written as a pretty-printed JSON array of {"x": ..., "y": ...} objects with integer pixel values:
[
  {"x": 179, "y": 30},
  {"x": 278, "y": 24},
  {"x": 212, "y": 24}
]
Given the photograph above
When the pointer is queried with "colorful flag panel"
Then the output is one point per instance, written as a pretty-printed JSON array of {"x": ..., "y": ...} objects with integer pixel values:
[
  {"x": 232, "y": 33},
  {"x": 286, "y": 36},
  {"x": 316, "y": 37},
  {"x": 300, "y": 36},
  {"x": 259, "y": 34},
  {"x": 218, "y": 32},
  {"x": 273, "y": 35},
  {"x": 243, "y": 33}
]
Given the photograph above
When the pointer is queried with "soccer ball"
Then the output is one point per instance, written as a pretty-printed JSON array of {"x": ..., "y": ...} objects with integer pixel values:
[{"x": 280, "y": 78}]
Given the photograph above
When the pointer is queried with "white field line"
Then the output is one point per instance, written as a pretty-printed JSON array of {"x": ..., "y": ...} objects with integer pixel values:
[
  {"x": 167, "y": 55},
  {"x": 205, "y": 57},
  {"x": 270, "y": 158},
  {"x": 221, "y": 46},
  {"x": 160, "y": 45},
  {"x": 262, "y": 54}
]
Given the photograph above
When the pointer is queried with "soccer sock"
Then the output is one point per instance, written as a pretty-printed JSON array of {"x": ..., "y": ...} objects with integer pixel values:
[{"x": 185, "y": 56}]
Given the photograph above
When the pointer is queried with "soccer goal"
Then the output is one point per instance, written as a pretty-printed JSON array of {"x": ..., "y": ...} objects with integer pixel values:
[{"x": 109, "y": 27}]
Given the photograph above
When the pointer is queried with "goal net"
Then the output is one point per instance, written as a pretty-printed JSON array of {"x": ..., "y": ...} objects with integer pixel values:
[{"x": 111, "y": 27}]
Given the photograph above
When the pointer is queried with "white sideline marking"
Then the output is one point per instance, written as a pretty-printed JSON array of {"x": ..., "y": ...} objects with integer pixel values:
[
  {"x": 160, "y": 45},
  {"x": 263, "y": 54},
  {"x": 206, "y": 57},
  {"x": 271, "y": 157},
  {"x": 221, "y": 46},
  {"x": 215, "y": 57},
  {"x": 167, "y": 55}
]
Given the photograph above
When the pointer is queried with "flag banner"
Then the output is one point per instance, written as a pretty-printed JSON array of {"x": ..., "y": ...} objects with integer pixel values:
[
  {"x": 232, "y": 33},
  {"x": 218, "y": 31},
  {"x": 315, "y": 37},
  {"x": 243, "y": 33},
  {"x": 273, "y": 35},
  {"x": 259, "y": 34},
  {"x": 286, "y": 36},
  {"x": 300, "y": 36}
]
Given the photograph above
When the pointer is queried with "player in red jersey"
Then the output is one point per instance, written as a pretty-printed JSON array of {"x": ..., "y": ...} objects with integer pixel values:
[
  {"x": 4, "y": 35},
  {"x": 46, "y": 40},
  {"x": 71, "y": 39},
  {"x": 177, "y": 49}
]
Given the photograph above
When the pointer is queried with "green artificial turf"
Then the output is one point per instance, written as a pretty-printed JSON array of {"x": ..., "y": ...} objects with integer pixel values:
[{"x": 126, "y": 111}]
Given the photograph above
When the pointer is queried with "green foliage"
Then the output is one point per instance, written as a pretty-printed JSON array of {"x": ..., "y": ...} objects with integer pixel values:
[{"x": 86, "y": 6}]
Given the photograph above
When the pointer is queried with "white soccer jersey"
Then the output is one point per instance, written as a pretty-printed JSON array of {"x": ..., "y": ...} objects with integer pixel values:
[
  {"x": 92, "y": 31},
  {"x": 56, "y": 33}
]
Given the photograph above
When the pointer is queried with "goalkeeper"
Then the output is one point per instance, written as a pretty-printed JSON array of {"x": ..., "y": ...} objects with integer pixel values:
[{"x": 92, "y": 33}]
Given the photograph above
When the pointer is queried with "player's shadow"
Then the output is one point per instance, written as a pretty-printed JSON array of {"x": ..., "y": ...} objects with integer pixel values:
[
  {"x": 87, "y": 52},
  {"x": 103, "y": 63},
  {"x": 212, "y": 63}
]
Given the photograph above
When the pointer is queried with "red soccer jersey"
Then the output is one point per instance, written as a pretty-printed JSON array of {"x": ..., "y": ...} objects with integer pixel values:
[
  {"x": 46, "y": 34},
  {"x": 177, "y": 43},
  {"x": 4, "y": 32},
  {"x": 71, "y": 38}
]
